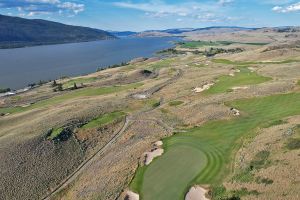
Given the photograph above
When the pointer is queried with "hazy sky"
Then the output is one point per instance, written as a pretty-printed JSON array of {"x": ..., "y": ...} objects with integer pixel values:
[{"x": 140, "y": 15}]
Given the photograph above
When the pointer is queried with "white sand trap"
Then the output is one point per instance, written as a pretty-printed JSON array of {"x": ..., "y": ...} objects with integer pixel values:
[
  {"x": 196, "y": 193},
  {"x": 240, "y": 88},
  {"x": 204, "y": 87},
  {"x": 149, "y": 156},
  {"x": 252, "y": 69},
  {"x": 25, "y": 105},
  {"x": 131, "y": 196},
  {"x": 235, "y": 71},
  {"x": 140, "y": 96},
  {"x": 158, "y": 143},
  {"x": 235, "y": 111}
]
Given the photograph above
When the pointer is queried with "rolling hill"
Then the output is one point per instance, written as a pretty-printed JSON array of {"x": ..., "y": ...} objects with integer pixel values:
[{"x": 19, "y": 32}]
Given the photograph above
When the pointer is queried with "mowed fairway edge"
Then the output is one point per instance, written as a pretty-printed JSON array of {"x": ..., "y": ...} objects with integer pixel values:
[{"x": 203, "y": 155}]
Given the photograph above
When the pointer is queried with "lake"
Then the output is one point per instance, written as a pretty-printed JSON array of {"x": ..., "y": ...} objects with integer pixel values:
[{"x": 22, "y": 66}]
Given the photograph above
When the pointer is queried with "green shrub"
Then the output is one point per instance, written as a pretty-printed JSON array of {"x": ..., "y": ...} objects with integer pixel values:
[
  {"x": 155, "y": 105},
  {"x": 244, "y": 176},
  {"x": 244, "y": 192},
  {"x": 3, "y": 90},
  {"x": 259, "y": 160},
  {"x": 274, "y": 123},
  {"x": 175, "y": 103},
  {"x": 265, "y": 181},
  {"x": 293, "y": 144}
]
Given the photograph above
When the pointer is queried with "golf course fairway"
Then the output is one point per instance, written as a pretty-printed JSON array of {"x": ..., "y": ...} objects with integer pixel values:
[{"x": 203, "y": 155}]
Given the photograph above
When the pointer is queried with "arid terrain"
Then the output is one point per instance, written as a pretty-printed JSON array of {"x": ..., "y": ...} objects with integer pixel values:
[{"x": 218, "y": 117}]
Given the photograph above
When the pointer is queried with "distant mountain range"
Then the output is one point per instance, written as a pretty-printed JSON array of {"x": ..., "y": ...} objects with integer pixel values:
[
  {"x": 20, "y": 32},
  {"x": 180, "y": 31},
  {"x": 123, "y": 33}
]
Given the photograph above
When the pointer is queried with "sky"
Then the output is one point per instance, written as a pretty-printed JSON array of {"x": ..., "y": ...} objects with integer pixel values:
[{"x": 140, "y": 15}]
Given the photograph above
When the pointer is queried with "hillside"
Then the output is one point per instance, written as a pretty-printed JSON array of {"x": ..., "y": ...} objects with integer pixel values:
[
  {"x": 217, "y": 117},
  {"x": 19, "y": 32}
]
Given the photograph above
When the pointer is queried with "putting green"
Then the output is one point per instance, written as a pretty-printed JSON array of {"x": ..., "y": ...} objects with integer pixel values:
[
  {"x": 176, "y": 159},
  {"x": 183, "y": 165}
]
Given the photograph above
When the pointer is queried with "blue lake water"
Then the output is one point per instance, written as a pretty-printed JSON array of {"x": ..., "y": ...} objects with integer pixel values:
[{"x": 19, "y": 67}]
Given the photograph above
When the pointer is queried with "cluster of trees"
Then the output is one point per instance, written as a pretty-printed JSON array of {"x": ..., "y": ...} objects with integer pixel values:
[
  {"x": 57, "y": 86},
  {"x": 112, "y": 66},
  {"x": 171, "y": 51},
  {"x": 214, "y": 51},
  {"x": 4, "y": 90},
  {"x": 39, "y": 83}
]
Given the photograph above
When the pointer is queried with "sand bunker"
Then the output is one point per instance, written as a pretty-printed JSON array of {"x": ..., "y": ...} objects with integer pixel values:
[
  {"x": 149, "y": 156},
  {"x": 140, "y": 96},
  {"x": 158, "y": 143},
  {"x": 131, "y": 196},
  {"x": 240, "y": 88},
  {"x": 234, "y": 71},
  {"x": 196, "y": 193},
  {"x": 235, "y": 111},
  {"x": 204, "y": 87},
  {"x": 155, "y": 152},
  {"x": 25, "y": 105},
  {"x": 252, "y": 69}
]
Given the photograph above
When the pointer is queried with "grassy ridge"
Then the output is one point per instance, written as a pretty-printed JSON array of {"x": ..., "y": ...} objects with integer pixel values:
[
  {"x": 71, "y": 83},
  {"x": 202, "y": 155},
  {"x": 104, "y": 120},
  {"x": 71, "y": 95}
]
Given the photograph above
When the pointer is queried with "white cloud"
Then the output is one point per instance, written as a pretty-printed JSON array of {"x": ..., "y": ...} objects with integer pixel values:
[
  {"x": 76, "y": 8},
  {"x": 225, "y": 2},
  {"x": 159, "y": 8},
  {"x": 287, "y": 9},
  {"x": 42, "y": 7},
  {"x": 43, "y": 1},
  {"x": 31, "y": 14}
]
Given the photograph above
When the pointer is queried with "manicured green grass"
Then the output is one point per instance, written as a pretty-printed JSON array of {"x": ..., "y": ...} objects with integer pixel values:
[
  {"x": 104, "y": 120},
  {"x": 274, "y": 123},
  {"x": 229, "y": 62},
  {"x": 72, "y": 95},
  {"x": 175, "y": 103},
  {"x": 78, "y": 81},
  {"x": 244, "y": 77},
  {"x": 203, "y": 154},
  {"x": 55, "y": 133}
]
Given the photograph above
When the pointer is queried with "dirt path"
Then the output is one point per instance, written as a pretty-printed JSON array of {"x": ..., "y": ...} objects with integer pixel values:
[
  {"x": 99, "y": 153},
  {"x": 87, "y": 162}
]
